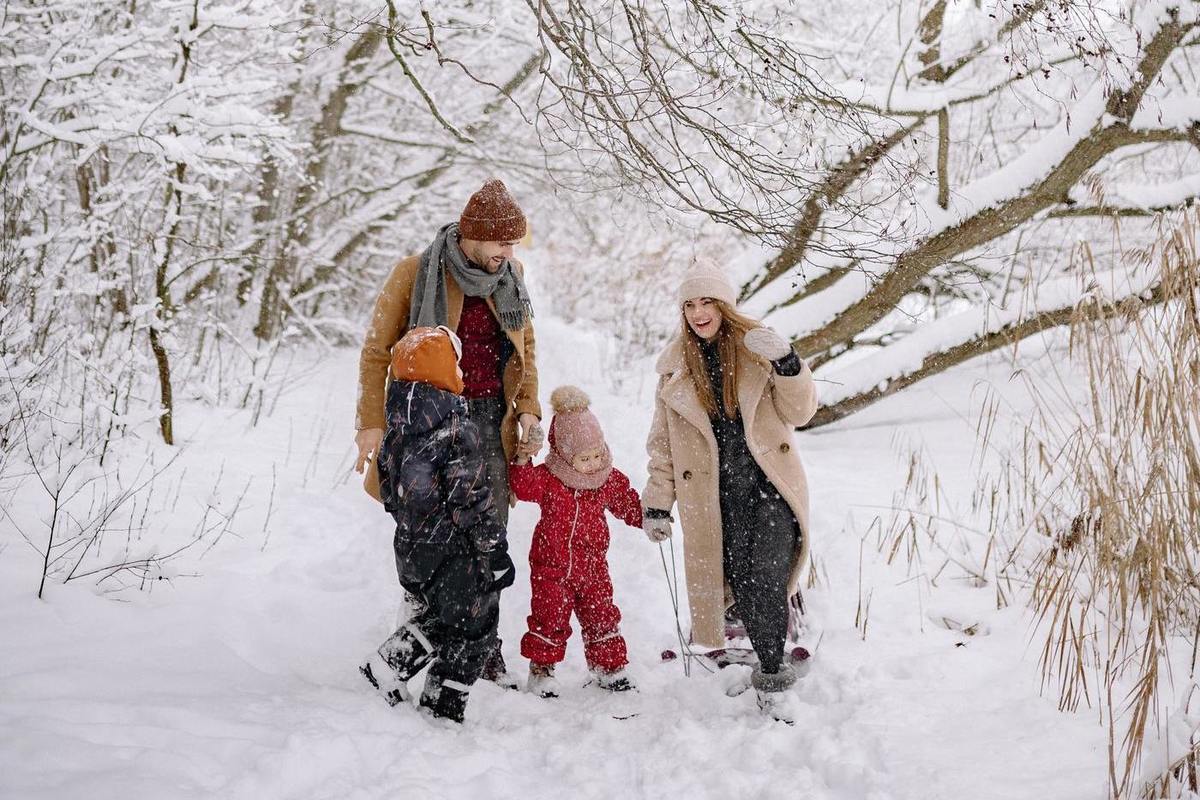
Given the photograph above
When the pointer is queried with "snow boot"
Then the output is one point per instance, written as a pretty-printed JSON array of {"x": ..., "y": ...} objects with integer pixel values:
[
  {"x": 444, "y": 698},
  {"x": 775, "y": 696},
  {"x": 380, "y": 675},
  {"x": 496, "y": 671},
  {"x": 541, "y": 680},
  {"x": 406, "y": 651},
  {"x": 618, "y": 680}
]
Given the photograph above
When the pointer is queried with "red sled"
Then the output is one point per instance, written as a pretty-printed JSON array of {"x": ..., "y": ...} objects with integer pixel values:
[
  {"x": 724, "y": 657},
  {"x": 735, "y": 634}
]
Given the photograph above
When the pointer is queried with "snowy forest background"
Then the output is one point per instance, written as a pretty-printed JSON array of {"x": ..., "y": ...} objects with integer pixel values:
[{"x": 200, "y": 200}]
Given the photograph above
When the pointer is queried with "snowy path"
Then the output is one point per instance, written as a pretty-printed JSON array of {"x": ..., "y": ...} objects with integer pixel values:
[{"x": 241, "y": 683}]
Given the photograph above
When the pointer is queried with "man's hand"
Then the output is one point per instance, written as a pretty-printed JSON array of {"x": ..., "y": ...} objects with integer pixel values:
[
  {"x": 368, "y": 441},
  {"x": 531, "y": 436}
]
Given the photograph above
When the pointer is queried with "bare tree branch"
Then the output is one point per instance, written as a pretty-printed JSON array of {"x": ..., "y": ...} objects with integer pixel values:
[{"x": 393, "y": 18}]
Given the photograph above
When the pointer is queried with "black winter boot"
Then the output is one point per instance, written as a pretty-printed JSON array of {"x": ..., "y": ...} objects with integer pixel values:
[
  {"x": 444, "y": 698},
  {"x": 384, "y": 679},
  {"x": 407, "y": 651}
]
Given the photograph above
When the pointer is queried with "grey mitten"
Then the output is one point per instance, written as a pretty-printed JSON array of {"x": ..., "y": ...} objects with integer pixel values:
[
  {"x": 657, "y": 529},
  {"x": 767, "y": 343},
  {"x": 535, "y": 437}
]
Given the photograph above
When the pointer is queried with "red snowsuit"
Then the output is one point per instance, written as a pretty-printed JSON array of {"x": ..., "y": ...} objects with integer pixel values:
[{"x": 568, "y": 564}]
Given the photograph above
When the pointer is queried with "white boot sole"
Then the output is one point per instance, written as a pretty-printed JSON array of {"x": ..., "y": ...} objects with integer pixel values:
[{"x": 383, "y": 679}]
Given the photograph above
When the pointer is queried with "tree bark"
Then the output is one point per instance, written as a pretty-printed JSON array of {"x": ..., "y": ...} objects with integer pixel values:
[
  {"x": 808, "y": 224},
  {"x": 173, "y": 213},
  {"x": 297, "y": 230},
  {"x": 842, "y": 177}
]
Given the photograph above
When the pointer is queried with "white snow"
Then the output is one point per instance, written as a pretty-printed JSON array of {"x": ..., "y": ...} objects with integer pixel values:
[{"x": 235, "y": 675}]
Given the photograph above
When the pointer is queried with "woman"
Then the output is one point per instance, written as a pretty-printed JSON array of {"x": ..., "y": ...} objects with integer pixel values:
[{"x": 730, "y": 392}]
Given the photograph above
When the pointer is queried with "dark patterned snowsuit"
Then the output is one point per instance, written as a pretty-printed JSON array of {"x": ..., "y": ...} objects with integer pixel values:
[{"x": 448, "y": 538}]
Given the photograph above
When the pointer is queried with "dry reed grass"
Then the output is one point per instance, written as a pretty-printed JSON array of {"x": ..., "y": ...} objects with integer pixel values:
[
  {"x": 1109, "y": 486},
  {"x": 1093, "y": 519}
]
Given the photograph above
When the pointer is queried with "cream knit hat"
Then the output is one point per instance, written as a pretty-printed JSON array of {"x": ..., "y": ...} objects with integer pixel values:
[{"x": 707, "y": 279}]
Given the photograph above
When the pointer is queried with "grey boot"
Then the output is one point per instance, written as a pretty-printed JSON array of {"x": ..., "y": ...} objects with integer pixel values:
[
  {"x": 775, "y": 696},
  {"x": 785, "y": 678}
]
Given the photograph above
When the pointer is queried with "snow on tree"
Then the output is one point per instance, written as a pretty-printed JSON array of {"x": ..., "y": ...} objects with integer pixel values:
[{"x": 897, "y": 162}]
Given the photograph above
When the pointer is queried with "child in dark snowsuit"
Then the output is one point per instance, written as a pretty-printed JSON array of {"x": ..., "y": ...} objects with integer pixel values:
[
  {"x": 569, "y": 557},
  {"x": 451, "y": 551}
]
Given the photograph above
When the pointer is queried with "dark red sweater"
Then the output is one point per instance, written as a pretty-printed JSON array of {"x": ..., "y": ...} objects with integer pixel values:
[{"x": 483, "y": 349}]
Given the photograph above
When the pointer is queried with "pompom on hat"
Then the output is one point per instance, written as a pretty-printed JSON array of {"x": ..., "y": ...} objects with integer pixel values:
[
  {"x": 492, "y": 215},
  {"x": 429, "y": 355},
  {"x": 707, "y": 279},
  {"x": 575, "y": 430}
]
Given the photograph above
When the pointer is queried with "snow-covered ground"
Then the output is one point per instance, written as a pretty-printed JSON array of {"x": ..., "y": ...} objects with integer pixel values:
[{"x": 235, "y": 676}]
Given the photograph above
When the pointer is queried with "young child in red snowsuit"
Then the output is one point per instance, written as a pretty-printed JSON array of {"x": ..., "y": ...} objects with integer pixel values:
[{"x": 568, "y": 560}]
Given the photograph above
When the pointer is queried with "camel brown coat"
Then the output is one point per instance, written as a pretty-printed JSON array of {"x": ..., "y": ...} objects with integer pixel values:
[
  {"x": 389, "y": 321},
  {"x": 683, "y": 468}
]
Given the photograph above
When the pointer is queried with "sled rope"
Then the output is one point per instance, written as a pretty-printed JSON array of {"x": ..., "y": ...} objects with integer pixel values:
[
  {"x": 673, "y": 591},
  {"x": 672, "y": 576}
]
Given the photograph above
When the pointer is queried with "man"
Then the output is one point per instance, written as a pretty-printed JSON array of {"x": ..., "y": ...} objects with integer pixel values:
[{"x": 467, "y": 280}]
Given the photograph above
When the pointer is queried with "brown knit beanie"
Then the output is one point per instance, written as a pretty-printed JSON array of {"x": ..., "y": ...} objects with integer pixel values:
[
  {"x": 492, "y": 215},
  {"x": 428, "y": 355}
]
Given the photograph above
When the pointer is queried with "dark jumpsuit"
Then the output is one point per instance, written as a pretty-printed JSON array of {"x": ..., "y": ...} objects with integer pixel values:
[{"x": 759, "y": 528}]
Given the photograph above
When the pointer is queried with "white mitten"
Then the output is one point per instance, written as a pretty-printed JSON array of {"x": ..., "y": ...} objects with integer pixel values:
[
  {"x": 767, "y": 343},
  {"x": 657, "y": 530}
]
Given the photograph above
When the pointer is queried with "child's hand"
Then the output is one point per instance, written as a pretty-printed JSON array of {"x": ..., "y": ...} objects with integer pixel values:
[
  {"x": 504, "y": 572},
  {"x": 531, "y": 438}
]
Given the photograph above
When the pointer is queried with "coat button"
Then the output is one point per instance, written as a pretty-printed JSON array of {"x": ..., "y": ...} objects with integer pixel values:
[
  {"x": 785, "y": 447},
  {"x": 687, "y": 474}
]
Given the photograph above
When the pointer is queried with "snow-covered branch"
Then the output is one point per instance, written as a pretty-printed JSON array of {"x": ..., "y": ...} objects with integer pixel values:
[{"x": 987, "y": 208}]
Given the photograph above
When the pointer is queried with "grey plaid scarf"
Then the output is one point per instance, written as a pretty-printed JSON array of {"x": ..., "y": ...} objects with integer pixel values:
[{"x": 505, "y": 286}]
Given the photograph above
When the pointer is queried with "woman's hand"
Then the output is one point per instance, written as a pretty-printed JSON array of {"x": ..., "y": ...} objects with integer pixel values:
[
  {"x": 657, "y": 529},
  {"x": 767, "y": 343}
]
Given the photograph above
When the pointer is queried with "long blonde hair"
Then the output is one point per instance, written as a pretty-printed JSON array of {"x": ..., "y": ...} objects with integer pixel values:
[{"x": 733, "y": 328}]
